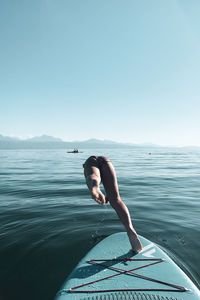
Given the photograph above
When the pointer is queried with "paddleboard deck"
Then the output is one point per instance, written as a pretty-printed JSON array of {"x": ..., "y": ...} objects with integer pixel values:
[{"x": 112, "y": 271}]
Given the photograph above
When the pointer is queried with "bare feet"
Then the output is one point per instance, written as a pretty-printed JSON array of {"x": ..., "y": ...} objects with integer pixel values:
[
  {"x": 135, "y": 242},
  {"x": 97, "y": 195}
]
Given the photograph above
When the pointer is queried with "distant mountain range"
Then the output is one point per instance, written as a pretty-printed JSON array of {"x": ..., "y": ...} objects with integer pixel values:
[{"x": 50, "y": 142}]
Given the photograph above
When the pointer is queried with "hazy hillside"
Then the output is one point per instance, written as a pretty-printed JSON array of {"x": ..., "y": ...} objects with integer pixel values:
[{"x": 49, "y": 142}]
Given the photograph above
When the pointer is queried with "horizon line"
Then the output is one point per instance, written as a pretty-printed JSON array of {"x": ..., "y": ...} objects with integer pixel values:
[{"x": 28, "y": 138}]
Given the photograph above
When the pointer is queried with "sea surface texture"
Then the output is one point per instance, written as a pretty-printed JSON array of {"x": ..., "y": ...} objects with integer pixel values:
[{"x": 48, "y": 221}]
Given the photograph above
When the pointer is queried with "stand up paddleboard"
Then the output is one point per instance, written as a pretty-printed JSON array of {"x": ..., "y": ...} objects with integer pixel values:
[{"x": 111, "y": 271}]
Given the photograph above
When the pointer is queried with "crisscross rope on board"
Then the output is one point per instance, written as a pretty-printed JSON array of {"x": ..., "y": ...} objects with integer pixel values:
[{"x": 152, "y": 261}]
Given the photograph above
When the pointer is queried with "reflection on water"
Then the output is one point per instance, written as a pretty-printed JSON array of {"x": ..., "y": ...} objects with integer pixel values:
[{"x": 48, "y": 221}]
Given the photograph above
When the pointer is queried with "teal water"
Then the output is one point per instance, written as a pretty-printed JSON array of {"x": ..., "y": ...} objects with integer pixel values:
[{"x": 48, "y": 221}]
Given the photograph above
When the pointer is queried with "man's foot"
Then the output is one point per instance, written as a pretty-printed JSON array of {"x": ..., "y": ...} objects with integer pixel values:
[
  {"x": 97, "y": 195},
  {"x": 135, "y": 242}
]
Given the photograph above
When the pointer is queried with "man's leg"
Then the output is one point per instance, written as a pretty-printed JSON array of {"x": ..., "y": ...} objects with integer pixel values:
[
  {"x": 109, "y": 179},
  {"x": 93, "y": 179}
]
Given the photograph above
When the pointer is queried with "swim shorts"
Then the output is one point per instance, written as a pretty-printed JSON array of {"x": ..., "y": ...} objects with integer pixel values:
[{"x": 99, "y": 161}]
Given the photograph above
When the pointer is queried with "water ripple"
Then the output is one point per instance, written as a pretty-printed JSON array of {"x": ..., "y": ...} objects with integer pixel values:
[{"x": 47, "y": 213}]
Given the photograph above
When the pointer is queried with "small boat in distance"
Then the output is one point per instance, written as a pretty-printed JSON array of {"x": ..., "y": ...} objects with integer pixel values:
[{"x": 74, "y": 151}]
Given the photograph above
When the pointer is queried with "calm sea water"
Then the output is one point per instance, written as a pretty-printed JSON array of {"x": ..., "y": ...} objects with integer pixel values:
[{"x": 48, "y": 221}]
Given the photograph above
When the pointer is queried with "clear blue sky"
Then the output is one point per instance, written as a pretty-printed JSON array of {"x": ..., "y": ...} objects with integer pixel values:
[{"x": 124, "y": 70}]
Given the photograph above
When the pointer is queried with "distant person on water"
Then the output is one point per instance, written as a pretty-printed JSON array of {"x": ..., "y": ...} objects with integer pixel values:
[{"x": 100, "y": 168}]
